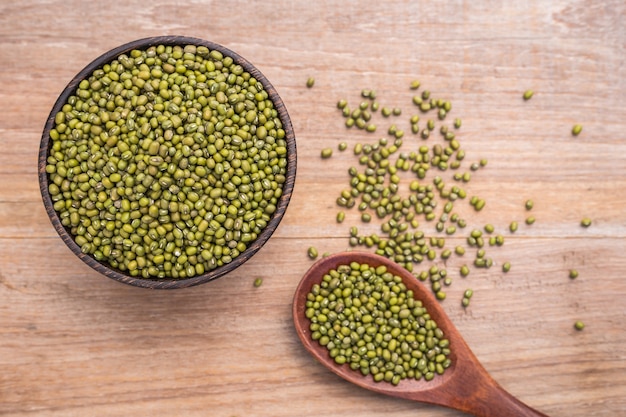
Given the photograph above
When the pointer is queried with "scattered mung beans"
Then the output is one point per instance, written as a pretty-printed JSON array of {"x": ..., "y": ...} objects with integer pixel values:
[
  {"x": 529, "y": 204},
  {"x": 506, "y": 267},
  {"x": 585, "y": 222},
  {"x": 167, "y": 162},
  {"x": 326, "y": 153},
  {"x": 579, "y": 325},
  {"x": 375, "y": 190},
  {"x": 577, "y": 129},
  {"x": 310, "y": 82},
  {"x": 367, "y": 319},
  {"x": 258, "y": 282},
  {"x": 573, "y": 274},
  {"x": 467, "y": 295},
  {"x": 528, "y": 94},
  {"x": 312, "y": 252}
]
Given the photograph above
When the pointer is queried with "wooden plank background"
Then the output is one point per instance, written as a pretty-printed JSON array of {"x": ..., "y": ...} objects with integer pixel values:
[{"x": 73, "y": 343}]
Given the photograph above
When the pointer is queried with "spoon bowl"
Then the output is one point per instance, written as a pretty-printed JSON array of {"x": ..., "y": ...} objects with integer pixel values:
[{"x": 465, "y": 385}]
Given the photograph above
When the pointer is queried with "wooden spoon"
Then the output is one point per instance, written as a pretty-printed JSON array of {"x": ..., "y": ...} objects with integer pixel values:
[{"x": 465, "y": 385}]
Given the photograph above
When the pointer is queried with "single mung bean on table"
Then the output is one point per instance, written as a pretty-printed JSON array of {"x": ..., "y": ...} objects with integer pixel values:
[
  {"x": 529, "y": 204},
  {"x": 368, "y": 320},
  {"x": 174, "y": 157}
]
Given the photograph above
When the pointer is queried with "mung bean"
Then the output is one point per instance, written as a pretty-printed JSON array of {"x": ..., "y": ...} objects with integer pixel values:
[
  {"x": 163, "y": 152},
  {"x": 391, "y": 340},
  {"x": 529, "y": 204},
  {"x": 577, "y": 129}
]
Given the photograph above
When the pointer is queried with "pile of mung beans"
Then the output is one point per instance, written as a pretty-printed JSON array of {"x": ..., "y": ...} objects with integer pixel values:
[
  {"x": 438, "y": 175},
  {"x": 167, "y": 162},
  {"x": 367, "y": 318}
]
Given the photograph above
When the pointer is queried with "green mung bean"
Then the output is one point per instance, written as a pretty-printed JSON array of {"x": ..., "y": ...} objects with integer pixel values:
[
  {"x": 506, "y": 267},
  {"x": 579, "y": 325},
  {"x": 513, "y": 226},
  {"x": 310, "y": 82},
  {"x": 529, "y": 204},
  {"x": 528, "y": 94},
  {"x": 573, "y": 274},
  {"x": 258, "y": 282},
  {"x": 392, "y": 339},
  {"x": 165, "y": 152},
  {"x": 585, "y": 222},
  {"x": 326, "y": 153},
  {"x": 577, "y": 129},
  {"x": 312, "y": 252},
  {"x": 375, "y": 186}
]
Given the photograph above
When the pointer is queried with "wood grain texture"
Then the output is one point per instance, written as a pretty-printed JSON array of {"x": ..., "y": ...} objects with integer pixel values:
[{"x": 74, "y": 343}]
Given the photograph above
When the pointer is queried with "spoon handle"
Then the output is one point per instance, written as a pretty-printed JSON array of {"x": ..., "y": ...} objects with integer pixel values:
[
  {"x": 475, "y": 392},
  {"x": 497, "y": 402}
]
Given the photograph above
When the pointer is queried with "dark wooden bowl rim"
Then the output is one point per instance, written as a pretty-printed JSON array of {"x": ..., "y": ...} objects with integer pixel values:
[{"x": 265, "y": 234}]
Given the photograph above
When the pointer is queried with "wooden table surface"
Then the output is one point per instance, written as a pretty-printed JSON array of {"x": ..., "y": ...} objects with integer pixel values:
[{"x": 74, "y": 343}]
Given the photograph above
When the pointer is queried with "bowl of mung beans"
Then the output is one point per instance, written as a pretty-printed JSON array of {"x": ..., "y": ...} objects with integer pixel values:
[{"x": 167, "y": 162}]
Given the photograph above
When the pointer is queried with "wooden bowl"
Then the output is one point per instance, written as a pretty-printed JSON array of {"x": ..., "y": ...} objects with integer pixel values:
[{"x": 252, "y": 247}]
